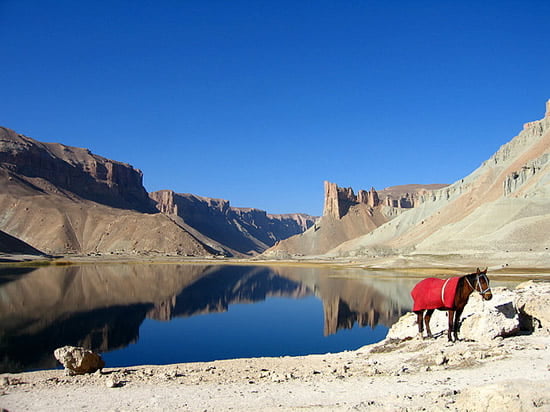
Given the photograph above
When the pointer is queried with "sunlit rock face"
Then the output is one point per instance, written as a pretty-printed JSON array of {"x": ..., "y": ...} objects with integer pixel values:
[
  {"x": 347, "y": 215},
  {"x": 66, "y": 200},
  {"x": 75, "y": 169},
  {"x": 497, "y": 215},
  {"x": 62, "y": 200},
  {"x": 509, "y": 312}
]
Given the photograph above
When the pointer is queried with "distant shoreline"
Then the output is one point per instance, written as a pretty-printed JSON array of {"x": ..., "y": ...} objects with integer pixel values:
[{"x": 379, "y": 265}]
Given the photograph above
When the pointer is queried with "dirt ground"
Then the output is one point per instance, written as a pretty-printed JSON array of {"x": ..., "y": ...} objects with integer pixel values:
[{"x": 412, "y": 375}]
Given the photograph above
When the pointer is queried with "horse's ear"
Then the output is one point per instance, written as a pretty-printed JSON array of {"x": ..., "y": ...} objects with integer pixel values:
[
  {"x": 478, "y": 272},
  {"x": 485, "y": 271}
]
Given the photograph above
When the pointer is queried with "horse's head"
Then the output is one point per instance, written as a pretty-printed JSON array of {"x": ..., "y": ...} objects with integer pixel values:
[{"x": 482, "y": 284}]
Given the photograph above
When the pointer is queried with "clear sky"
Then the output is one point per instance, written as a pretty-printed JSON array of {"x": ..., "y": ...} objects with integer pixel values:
[{"x": 259, "y": 102}]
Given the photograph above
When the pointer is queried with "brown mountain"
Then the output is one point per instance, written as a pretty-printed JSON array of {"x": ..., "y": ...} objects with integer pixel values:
[
  {"x": 243, "y": 230},
  {"x": 75, "y": 170},
  {"x": 61, "y": 199}
]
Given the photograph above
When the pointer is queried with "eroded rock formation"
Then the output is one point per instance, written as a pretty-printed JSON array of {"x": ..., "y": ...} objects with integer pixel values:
[
  {"x": 338, "y": 200},
  {"x": 499, "y": 212},
  {"x": 244, "y": 230},
  {"x": 64, "y": 200},
  {"x": 75, "y": 169},
  {"x": 347, "y": 216}
]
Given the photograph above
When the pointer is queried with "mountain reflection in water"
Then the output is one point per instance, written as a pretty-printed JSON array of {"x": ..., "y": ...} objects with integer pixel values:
[{"x": 102, "y": 307}]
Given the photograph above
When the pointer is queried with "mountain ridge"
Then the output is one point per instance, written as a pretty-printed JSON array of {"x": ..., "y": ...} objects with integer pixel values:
[
  {"x": 499, "y": 212},
  {"x": 63, "y": 200}
]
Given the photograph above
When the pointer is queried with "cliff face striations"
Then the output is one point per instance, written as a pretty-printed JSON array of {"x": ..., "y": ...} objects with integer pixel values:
[
  {"x": 338, "y": 200},
  {"x": 347, "y": 215},
  {"x": 499, "y": 211},
  {"x": 61, "y": 199},
  {"x": 76, "y": 170},
  {"x": 243, "y": 230}
]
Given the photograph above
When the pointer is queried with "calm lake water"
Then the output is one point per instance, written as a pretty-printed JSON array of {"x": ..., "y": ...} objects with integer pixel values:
[{"x": 169, "y": 313}]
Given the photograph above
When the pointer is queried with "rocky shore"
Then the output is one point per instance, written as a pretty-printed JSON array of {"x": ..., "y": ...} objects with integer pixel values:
[{"x": 504, "y": 366}]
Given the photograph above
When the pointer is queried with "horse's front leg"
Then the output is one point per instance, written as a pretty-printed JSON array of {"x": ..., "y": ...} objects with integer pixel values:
[
  {"x": 456, "y": 325},
  {"x": 420, "y": 322},
  {"x": 427, "y": 318},
  {"x": 451, "y": 317}
]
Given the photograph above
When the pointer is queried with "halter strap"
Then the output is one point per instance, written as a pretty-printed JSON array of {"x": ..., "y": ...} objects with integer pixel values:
[
  {"x": 477, "y": 282},
  {"x": 488, "y": 289}
]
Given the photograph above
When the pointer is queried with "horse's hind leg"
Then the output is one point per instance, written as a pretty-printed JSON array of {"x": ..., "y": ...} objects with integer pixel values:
[
  {"x": 420, "y": 321},
  {"x": 456, "y": 325},
  {"x": 427, "y": 318},
  {"x": 452, "y": 326}
]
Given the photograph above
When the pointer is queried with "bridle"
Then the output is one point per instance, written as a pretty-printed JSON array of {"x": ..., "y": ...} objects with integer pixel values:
[{"x": 478, "y": 283}]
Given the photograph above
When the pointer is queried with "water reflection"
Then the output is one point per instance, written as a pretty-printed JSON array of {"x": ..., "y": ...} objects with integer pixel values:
[{"x": 102, "y": 307}]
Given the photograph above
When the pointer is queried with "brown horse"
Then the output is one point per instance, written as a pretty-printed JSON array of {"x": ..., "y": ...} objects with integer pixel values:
[{"x": 450, "y": 295}]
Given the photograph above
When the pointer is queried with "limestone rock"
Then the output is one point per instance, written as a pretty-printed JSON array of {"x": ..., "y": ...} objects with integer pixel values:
[
  {"x": 338, "y": 200},
  {"x": 78, "y": 361},
  {"x": 406, "y": 327},
  {"x": 481, "y": 320},
  {"x": 499, "y": 212},
  {"x": 485, "y": 320},
  {"x": 532, "y": 301}
]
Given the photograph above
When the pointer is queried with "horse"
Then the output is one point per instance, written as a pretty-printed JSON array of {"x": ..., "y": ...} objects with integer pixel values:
[{"x": 450, "y": 295}]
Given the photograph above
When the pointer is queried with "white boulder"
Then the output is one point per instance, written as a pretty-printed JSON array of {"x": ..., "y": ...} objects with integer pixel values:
[{"x": 78, "y": 361}]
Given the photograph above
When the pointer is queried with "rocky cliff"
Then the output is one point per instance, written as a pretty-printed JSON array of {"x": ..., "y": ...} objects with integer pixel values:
[
  {"x": 76, "y": 170},
  {"x": 243, "y": 230},
  {"x": 499, "y": 212},
  {"x": 61, "y": 199},
  {"x": 347, "y": 215},
  {"x": 338, "y": 200}
]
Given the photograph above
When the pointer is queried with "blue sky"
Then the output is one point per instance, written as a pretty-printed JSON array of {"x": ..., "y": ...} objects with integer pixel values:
[{"x": 259, "y": 102}]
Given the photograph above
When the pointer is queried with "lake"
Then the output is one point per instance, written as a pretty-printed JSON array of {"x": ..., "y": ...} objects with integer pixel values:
[{"x": 169, "y": 313}]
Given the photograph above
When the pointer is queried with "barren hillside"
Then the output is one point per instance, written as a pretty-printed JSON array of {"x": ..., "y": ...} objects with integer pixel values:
[
  {"x": 348, "y": 216},
  {"x": 63, "y": 200},
  {"x": 502, "y": 207}
]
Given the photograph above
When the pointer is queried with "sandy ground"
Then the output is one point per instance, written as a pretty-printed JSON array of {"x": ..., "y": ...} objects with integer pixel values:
[{"x": 511, "y": 373}]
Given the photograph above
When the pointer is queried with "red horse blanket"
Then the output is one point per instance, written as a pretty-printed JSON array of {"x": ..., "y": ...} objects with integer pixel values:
[{"x": 433, "y": 293}]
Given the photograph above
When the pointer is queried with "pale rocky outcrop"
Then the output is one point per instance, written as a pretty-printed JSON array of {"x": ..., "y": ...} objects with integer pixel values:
[
  {"x": 532, "y": 301},
  {"x": 509, "y": 312},
  {"x": 78, "y": 361},
  {"x": 339, "y": 200},
  {"x": 499, "y": 212}
]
